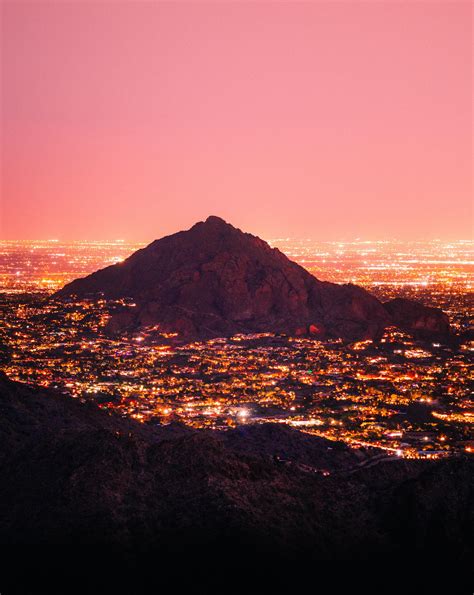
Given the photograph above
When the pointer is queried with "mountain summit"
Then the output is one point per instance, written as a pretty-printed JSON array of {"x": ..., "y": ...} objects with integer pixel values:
[{"x": 215, "y": 280}]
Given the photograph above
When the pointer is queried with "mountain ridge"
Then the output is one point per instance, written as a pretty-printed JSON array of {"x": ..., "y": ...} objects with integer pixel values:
[{"x": 89, "y": 489}]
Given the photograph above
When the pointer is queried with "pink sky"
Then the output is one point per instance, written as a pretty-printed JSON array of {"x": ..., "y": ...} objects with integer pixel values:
[{"x": 327, "y": 120}]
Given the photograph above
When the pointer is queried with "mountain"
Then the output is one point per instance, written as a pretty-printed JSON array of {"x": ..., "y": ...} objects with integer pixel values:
[
  {"x": 215, "y": 280},
  {"x": 89, "y": 491}
]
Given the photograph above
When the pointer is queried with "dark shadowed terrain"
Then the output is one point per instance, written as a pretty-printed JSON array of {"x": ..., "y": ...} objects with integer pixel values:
[{"x": 86, "y": 490}]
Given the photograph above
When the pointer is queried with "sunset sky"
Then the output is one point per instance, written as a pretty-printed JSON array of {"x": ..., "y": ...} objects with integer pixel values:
[{"x": 328, "y": 120}]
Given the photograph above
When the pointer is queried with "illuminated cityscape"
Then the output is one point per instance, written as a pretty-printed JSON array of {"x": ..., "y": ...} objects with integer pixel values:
[
  {"x": 407, "y": 397},
  {"x": 236, "y": 296}
]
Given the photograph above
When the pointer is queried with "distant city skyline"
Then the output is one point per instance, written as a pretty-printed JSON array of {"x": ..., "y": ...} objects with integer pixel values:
[
  {"x": 334, "y": 240},
  {"x": 330, "y": 121}
]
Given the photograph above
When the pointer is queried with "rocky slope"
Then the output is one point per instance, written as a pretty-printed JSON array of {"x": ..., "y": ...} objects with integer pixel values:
[
  {"x": 214, "y": 280},
  {"x": 87, "y": 489}
]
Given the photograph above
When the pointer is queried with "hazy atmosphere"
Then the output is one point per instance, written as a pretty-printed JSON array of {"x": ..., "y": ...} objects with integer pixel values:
[{"x": 324, "y": 120}]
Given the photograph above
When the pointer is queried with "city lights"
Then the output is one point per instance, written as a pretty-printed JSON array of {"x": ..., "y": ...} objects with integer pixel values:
[{"x": 405, "y": 397}]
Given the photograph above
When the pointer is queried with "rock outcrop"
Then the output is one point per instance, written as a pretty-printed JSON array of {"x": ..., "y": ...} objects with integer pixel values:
[{"x": 415, "y": 318}]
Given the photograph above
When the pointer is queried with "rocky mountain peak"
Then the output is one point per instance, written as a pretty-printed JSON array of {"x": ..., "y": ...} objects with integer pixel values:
[{"x": 214, "y": 280}]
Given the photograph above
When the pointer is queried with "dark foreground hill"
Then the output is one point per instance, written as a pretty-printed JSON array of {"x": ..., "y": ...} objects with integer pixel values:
[
  {"x": 87, "y": 491},
  {"x": 214, "y": 280}
]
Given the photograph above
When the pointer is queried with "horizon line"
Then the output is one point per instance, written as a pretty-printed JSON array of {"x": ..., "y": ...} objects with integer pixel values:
[{"x": 269, "y": 239}]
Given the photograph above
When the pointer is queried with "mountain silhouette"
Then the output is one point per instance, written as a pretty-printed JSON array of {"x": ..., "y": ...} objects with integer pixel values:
[
  {"x": 215, "y": 280},
  {"x": 86, "y": 488}
]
